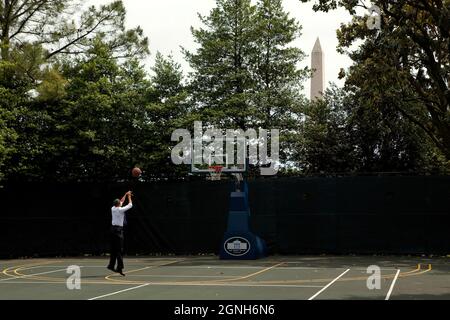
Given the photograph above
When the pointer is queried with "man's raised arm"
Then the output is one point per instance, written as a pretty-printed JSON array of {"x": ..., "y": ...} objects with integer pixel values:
[
  {"x": 130, "y": 202},
  {"x": 123, "y": 198}
]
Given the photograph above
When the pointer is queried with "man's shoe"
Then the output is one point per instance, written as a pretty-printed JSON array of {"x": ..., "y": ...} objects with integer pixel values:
[
  {"x": 111, "y": 268},
  {"x": 121, "y": 273}
]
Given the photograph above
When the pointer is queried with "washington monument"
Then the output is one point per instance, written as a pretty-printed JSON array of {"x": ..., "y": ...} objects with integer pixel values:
[{"x": 317, "y": 80}]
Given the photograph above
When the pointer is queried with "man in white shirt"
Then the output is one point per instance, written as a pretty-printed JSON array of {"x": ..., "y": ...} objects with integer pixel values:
[{"x": 118, "y": 217}]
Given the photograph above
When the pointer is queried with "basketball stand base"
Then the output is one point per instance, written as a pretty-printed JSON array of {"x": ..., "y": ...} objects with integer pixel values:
[{"x": 239, "y": 243}]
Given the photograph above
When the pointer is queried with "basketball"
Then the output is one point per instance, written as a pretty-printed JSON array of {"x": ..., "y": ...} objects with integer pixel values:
[{"x": 136, "y": 172}]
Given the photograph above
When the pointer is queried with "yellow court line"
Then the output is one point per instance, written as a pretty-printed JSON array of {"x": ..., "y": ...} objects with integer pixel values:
[
  {"x": 389, "y": 276},
  {"x": 7, "y": 270},
  {"x": 418, "y": 273},
  {"x": 16, "y": 271},
  {"x": 55, "y": 280},
  {"x": 210, "y": 282},
  {"x": 275, "y": 281},
  {"x": 228, "y": 281},
  {"x": 41, "y": 278},
  {"x": 250, "y": 275},
  {"x": 149, "y": 267},
  {"x": 202, "y": 282},
  {"x": 233, "y": 279},
  {"x": 30, "y": 277},
  {"x": 412, "y": 271},
  {"x": 38, "y": 277},
  {"x": 114, "y": 274}
]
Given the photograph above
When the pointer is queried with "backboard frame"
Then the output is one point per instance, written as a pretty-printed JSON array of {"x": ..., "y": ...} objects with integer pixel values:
[{"x": 211, "y": 166}]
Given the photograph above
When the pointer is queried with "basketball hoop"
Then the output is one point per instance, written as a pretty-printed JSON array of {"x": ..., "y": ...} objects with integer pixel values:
[{"x": 215, "y": 173}]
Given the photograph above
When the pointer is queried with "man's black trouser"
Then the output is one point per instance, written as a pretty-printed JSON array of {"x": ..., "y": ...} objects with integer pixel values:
[{"x": 116, "y": 248}]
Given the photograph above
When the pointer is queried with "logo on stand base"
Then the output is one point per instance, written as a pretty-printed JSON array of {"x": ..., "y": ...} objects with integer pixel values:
[{"x": 237, "y": 246}]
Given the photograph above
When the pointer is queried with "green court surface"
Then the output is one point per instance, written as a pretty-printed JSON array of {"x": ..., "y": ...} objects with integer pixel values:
[{"x": 208, "y": 278}]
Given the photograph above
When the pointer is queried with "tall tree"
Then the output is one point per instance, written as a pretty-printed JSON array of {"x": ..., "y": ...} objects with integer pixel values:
[
  {"x": 169, "y": 110},
  {"x": 51, "y": 23},
  {"x": 411, "y": 53},
  {"x": 245, "y": 71},
  {"x": 222, "y": 82},
  {"x": 108, "y": 117},
  {"x": 8, "y": 136},
  {"x": 88, "y": 123},
  {"x": 37, "y": 38},
  {"x": 325, "y": 145},
  {"x": 347, "y": 133},
  {"x": 274, "y": 66},
  {"x": 277, "y": 97}
]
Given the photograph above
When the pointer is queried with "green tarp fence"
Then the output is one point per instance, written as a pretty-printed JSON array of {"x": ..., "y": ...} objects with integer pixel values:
[{"x": 349, "y": 215}]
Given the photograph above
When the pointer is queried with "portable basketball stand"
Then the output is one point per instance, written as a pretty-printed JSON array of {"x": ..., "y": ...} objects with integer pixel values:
[{"x": 239, "y": 242}]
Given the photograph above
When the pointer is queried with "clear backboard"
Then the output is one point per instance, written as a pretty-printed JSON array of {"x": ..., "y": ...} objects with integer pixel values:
[{"x": 206, "y": 160}]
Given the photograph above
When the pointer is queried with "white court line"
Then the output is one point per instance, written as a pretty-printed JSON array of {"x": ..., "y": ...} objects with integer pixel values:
[
  {"x": 248, "y": 267},
  {"x": 222, "y": 267},
  {"x": 217, "y": 267},
  {"x": 392, "y": 285},
  {"x": 36, "y": 282},
  {"x": 117, "y": 292},
  {"x": 99, "y": 267},
  {"x": 234, "y": 285},
  {"x": 278, "y": 268},
  {"x": 176, "y": 276},
  {"x": 177, "y": 284},
  {"x": 31, "y": 275},
  {"x": 43, "y": 267},
  {"x": 324, "y": 288}
]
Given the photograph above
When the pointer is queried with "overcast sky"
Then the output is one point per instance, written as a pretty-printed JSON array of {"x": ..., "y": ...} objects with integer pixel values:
[{"x": 167, "y": 24}]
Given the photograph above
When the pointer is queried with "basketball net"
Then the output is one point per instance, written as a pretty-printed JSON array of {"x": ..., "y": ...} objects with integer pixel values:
[{"x": 215, "y": 173}]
